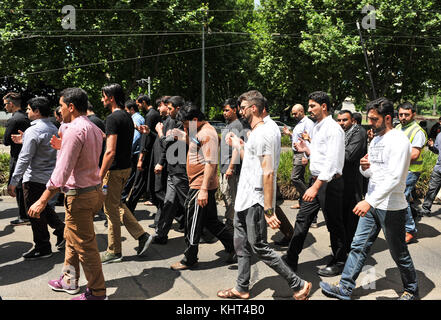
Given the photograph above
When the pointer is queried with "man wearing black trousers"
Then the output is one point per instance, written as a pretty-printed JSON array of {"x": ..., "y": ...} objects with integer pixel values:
[
  {"x": 144, "y": 178},
  {"x": 326, "y": 152},
  {"x": 201, "y": 211},
  {"x": 18, "y": 122},
  {"x": 355, "y": 149},
  {"x": 177, "y": 180}
]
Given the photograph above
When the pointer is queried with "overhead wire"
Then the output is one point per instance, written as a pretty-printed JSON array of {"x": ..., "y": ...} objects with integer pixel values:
[{"x": 122, "y": 60}]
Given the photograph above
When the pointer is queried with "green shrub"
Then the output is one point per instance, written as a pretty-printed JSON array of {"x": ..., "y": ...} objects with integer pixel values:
[
  {"x": 429, "y": 161},
  {"x": 286, "y": 141},
  {"x": 4, "y": 169},
  {"x": 2, "y": 132},
  {"x": 287, "y": 190}
]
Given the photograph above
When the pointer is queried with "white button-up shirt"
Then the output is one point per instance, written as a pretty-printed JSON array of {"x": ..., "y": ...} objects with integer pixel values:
[
  {"x": 327, "y": 149},
  {"x": 303, "y": 125}
]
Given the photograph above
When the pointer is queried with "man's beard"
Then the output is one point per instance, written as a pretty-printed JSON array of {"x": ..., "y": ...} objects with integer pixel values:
[
  {"x": 379, "y": 130},
  {"x": 404, "y": 122}
]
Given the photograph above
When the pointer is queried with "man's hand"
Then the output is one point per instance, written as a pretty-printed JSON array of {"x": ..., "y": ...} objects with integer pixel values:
[
  {"x": 159, "y": 127},
  {"x": 179, "y": 134},
  {"x": 143, "y": 129},
  {"x": 301, "y": 146},
  {"x": 272, "y": 221},
  {"x": 233, "y": 141},
  {"x": 430, "y": 142},
  {"x": 361, "y": 208},
  {"x": 304, "y": 161},
  {"x": 11, "y": 191},
  {"x": 286, "y": 131},
  {"x": 310, "y": 194},
  {"x": 56, "y": 142},
  {"x": 305, "y": 136},
  {"x": 370, "y": 134},
  {"x": 139, "y": 166},
  {"x": 17, "y": 138},
  {"x": 203, "y": 198},
  {"x": 364, "y": 163},
  {"x": 229, "y": 173},
  {"x": 158, "y": 168},
  {"x": 36, "y": 209}
]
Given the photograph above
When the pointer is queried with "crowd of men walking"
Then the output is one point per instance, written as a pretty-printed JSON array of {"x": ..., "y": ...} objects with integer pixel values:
[{"x": 362, "y": 181}]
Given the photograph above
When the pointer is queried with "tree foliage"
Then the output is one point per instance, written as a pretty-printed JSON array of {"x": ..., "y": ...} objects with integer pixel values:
[{"x": 286, "y": 49}]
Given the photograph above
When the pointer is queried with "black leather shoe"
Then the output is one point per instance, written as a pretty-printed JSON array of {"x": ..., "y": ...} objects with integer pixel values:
[
  {"x": 283, "y": 242},
  {"x": 331, "y": 270}
]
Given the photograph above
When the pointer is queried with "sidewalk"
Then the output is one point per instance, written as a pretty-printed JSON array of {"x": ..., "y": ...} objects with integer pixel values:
[{"x": 150, "y": 277}]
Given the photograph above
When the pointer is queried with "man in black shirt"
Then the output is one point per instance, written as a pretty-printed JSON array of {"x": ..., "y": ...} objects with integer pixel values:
[
  {"x": 115, "y": 171},
  {"x": 355, "y": 149},
  {"x": 177, "y": 180},
  {"x": 18, "y": 122},
  {"x": 144, "y": 178}
]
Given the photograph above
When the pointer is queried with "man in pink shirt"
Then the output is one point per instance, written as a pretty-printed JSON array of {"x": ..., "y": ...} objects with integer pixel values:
[{"x": 76, "y": 174}]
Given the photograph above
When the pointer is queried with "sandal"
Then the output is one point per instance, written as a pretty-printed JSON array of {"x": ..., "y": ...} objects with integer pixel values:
[
  {"x": 306, "y": 290},
  {"x": 228, "y": 294}
]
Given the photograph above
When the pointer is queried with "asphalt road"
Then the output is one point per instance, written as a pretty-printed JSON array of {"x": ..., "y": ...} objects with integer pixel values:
[{"x": 150, "y": 277}]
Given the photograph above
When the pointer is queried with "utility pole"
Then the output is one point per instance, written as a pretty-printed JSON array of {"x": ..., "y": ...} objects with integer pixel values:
[
  {"x": 141, "y": 82},
  {"x": 374, "y": 94},
  {"x": 203, "y": 68}
]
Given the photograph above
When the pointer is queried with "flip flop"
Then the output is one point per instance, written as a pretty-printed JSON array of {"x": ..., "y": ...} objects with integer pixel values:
[
  {"x": 228, "y": 294},
  {"x": 305, "y": 294}
]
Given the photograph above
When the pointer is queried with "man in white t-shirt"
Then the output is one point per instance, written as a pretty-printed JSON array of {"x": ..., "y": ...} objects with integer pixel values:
[
  {"x": 255, "y": 201},
  {"x": 384, "y": 207}
]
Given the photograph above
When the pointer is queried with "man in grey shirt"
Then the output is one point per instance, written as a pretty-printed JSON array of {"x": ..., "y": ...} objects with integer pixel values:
[
  {"x": 35, "y": 164},
  {"x": 230, "y": 160}
]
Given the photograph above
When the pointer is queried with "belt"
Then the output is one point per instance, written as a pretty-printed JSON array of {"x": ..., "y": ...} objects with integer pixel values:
[
  {"x": 77, "y": 192},
  {"x": 336, "y": 176}
]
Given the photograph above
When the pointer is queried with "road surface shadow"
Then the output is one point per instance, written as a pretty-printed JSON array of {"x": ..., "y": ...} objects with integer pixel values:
[
  {"x": 148, "y": 284},
  {"x": 392, "y": 280}
]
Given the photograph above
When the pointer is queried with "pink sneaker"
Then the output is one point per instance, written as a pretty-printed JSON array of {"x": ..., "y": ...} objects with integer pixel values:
[
  {"x": 89, "y": 296},
  {"x": 60, "y": 285}
]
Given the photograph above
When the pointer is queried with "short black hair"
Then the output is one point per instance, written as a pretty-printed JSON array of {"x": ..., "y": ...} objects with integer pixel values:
[
  {"x": 407, "y": 106},
  {"x": 131, "y": 104},
  {"x": 321, "y": 97},
  {"x": 346, "y": 111},
  {"x": 176, "y": 101},
  {"x": 190, "y": 111},
  {"x": 41, "y": 104},
  {"x": 144, "y": 97},
  {"x": 357, "y": 117},
  {"x": 382, "y": 105},
  {"x": 89, "y": 106},
  {"x": 13, "y": 97},
  {"x": 76, "y": 96},
  {"x": 232, "y": 102},
  {"x": 116, "y": 91}
]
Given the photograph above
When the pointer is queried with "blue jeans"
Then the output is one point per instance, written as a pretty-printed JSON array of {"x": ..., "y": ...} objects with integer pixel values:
[
  {"x": 392, "y": 224},
  {"x": 250, "y": 235},
  {"x": 411, "y": 180}
]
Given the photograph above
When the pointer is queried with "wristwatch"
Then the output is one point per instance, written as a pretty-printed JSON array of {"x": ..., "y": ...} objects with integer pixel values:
[{"x": 269, "y": 212}]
